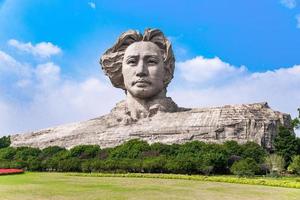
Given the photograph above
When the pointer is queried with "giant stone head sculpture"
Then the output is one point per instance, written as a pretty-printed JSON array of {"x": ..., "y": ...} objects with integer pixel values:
[{"x": 142, "y": 65}]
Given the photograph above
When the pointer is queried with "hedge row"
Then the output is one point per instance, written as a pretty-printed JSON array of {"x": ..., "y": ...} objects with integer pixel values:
[{"x": 138, "y": 156}]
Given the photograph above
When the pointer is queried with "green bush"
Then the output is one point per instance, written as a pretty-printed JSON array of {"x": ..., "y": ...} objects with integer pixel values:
[
  {"x": 132, "y": 149},
  {"x": 70, "y": 165},
  {"x": 19, "y": 164},
  {"x": 275, "y": 163},
  {"x": 233, "y": 148},
  {"x": 85, "y": 151},
  {"x": 24, "y": 153},
  {"x": 7, "y": 153},
  {"x": 4, "y": 141},
  {"x": 294, "y": 167},
  {"x": 254, "y": 151},
  {"x": 165, "y": 149},
  {"x": 86, "y": 166},
  {"x": 245, "y": 167},
  {"x": 96, "y": 165},
  {"x": 135, "y": 156},
  {"x": 217, "y": 161},
  {"x": 155, "y": 164},
  {"x": 34, "y": 164},
  {"x": 183, "y": 163},
  {"x": 51, "y": 151},
  {"x": 5, "y": 164}
]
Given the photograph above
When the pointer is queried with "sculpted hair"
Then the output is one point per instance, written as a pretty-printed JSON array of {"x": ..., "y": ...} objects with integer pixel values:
[{"x": 111, "y": 60}]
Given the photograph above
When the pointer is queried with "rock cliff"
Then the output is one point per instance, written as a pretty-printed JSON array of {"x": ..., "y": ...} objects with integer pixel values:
[{"x": 248, "y": 122}]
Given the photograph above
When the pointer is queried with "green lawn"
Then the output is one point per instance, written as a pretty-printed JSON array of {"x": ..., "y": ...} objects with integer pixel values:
[{"x": 42, "y": 186}]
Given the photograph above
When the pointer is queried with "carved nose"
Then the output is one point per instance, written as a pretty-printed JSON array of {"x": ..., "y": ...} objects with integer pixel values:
[{"x": 141, "y": 70}]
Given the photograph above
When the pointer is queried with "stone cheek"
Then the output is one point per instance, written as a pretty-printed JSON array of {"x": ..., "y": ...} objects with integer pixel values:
[{"x": 250, "y": 122}]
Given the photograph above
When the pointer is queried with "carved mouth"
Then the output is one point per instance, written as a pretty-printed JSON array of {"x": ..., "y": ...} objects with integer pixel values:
[{"x": 141, "y": 82}]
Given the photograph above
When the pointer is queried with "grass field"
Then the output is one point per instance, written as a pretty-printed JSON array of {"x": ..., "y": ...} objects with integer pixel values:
[{"x": 54, "y": 186}]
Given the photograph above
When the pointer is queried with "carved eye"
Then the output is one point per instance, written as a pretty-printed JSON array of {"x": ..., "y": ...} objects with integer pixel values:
[
  {"x": 131, "y": 62},
  {"x": 152, "y": 61}
]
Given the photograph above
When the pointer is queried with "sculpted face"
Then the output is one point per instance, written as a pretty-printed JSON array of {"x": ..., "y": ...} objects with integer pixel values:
[{"x": 143, "y": 70}]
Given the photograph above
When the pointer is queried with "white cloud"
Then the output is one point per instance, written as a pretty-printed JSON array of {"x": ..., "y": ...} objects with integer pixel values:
[
  {"x": 42, "y": 49},
  {"x": 280, "y": 88},
  {"x": 44, "y": 97},
  {"x": 92, "y": 5},
  {"x": 289, "y": 3},
  {"x": 298, "y": 20},
  {"x": 8, "y": 66},
  {"x": 47, "y": 74},
  {"x": 209, "y": 71}
]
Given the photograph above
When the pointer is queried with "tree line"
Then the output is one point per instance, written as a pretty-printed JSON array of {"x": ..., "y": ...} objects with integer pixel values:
[{"x": 194, "y": 157}]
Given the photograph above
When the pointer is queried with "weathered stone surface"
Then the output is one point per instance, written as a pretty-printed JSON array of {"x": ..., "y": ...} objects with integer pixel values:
[{"x": 248, "y": 122}]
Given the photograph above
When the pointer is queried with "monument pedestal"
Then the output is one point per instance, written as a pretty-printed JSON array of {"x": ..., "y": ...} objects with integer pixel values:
[{"x": 248, "y": 122}]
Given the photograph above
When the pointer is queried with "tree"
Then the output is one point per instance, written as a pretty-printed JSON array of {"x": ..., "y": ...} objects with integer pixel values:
[
  {"x": 245, "y": 167},
  {"x": 294, "y": 167},
  {"x": 85, "y": 151},
  {"x": 131, "y": 149},
  {"x": 285, "y": 144},
  {"x": 254, "y": 151},
  {"x": 7, "y": 153},
  {"x": 154, "y": 165},
  {"x": 298, "y": 145},
  {"x": 295, "y": 123},
  {"x": 51, "y": 151},
  {"x": 4, "y": 141},
  {"x": 24, "y": 153},
  {"x": 165, "y": 149},
  {"x": 233, "y": 148}
]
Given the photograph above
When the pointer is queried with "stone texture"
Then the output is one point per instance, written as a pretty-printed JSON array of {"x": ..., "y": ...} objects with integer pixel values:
[{"x": 247, "y": 122}]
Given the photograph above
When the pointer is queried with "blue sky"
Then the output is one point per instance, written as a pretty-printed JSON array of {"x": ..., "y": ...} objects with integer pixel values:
[{"x": 227, "y": 52}]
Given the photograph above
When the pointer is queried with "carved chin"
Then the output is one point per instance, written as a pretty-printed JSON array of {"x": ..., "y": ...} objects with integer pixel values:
[{"x": 143, "y": 93}]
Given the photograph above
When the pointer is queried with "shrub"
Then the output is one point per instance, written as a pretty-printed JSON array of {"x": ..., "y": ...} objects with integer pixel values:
[
  {"x": 275, "y": 163},
  {"x": 24, "y": 153},
  {"x": 70, "y": 165},
  {"x": 154, "y": 165},
  {"x": 18, "y": 164},
  {"x": 232, "y": 159},
  {"x": 131, "y": 149},
  {"x": 216, "y": 161},
  {"x": 183, "y": 163},
  {"x": 85, "y": 151},
  {"x": 96, "y": 165},
  {"x": 245, "y": 167},
  {"x": 254, "y": 151},
  {"x": 51, "y": 151},
  {"x": 294, "y": 167},
  {"x": 233, "y": 148},
  {"x": 34, "y": 164},
  {"x": 5, "y": 164},
  {"x": 193, "y": 147},
  {"x": 7, "y": 153},
  {"x": 52, "y": 163},
  {"x": 86, "y": 166},
  {"x": 165, "y": 149},
  {"x": 4, "y": 141}
]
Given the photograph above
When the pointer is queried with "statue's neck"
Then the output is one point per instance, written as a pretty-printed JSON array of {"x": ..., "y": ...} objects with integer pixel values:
[{"x": 140, "y": 108}]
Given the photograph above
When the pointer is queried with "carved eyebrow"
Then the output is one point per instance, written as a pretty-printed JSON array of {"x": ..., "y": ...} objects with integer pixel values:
[{"x": 131, "y": 56}]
